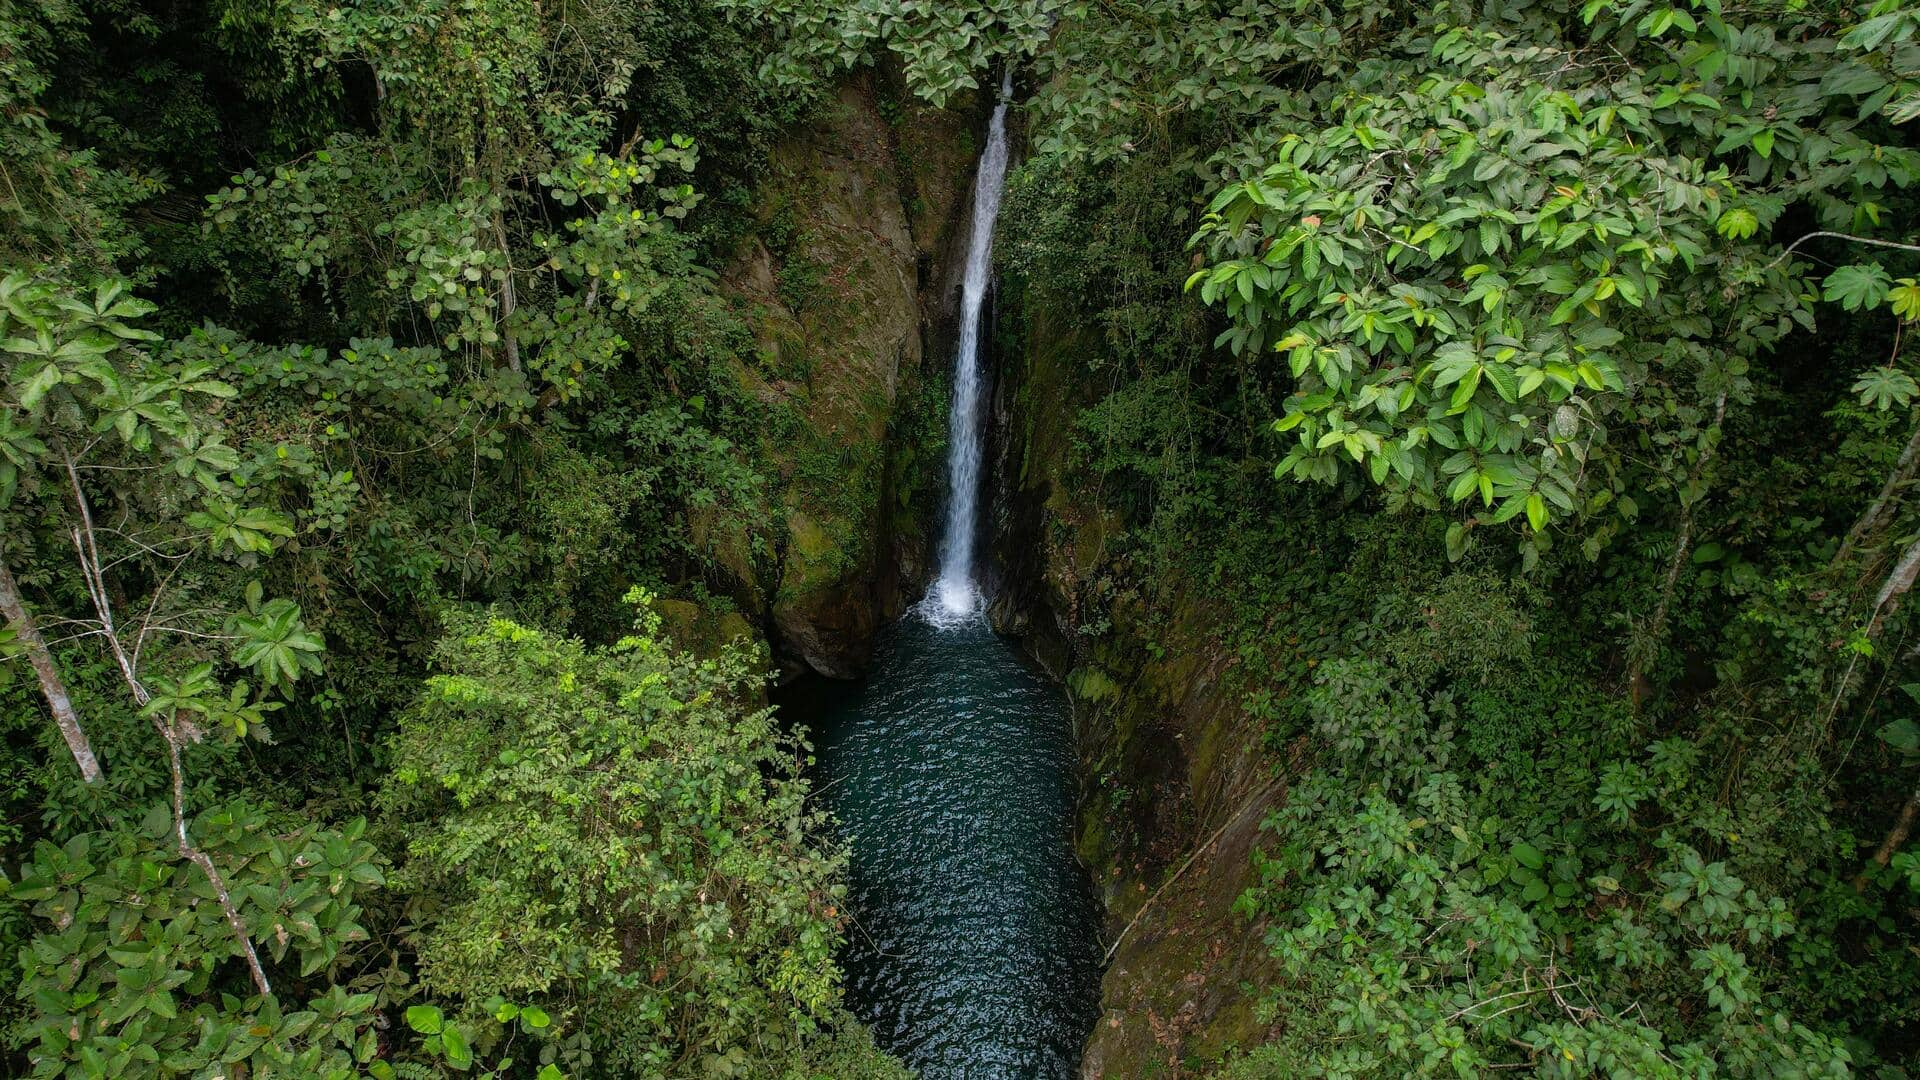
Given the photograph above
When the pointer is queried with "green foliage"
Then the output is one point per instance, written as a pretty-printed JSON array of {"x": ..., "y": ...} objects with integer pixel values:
[
  {"x": 1501, "y": 253},
  {"x": 943, "y": 46},
  {"x": 94, "y": 413},
  {"x": 1449, "y": 922},
  {"x": 61, "y": 202},
  {"x": 153, "y": 989},
  {"x": 428, "y": 323},
  {"x": 489, "y": 1042},
  {"x": 276, "y": 645},
  {"x": 1656, "y": 744},
  {"x": 429, "y": 319},
  {"x": 557, "y": 798}
]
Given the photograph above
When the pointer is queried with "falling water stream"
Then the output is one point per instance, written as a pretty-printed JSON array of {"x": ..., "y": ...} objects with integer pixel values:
[
  {"x": 956, "y": 594},
  {"x": 972, "y": 951}
]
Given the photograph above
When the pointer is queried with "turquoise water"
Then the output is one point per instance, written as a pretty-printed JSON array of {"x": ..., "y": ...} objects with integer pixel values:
[{"x": 973, "y": 955}]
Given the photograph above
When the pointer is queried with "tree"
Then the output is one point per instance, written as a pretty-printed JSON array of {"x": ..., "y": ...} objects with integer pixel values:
[
  {"x": 620, "y": 834},
  {"x": 1518, "y": 279},
  {"x": 90, "y": 400}
]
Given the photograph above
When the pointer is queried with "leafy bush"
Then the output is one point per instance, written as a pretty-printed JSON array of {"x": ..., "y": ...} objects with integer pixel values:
[
  {"x": 1445, "y": 926},
  {"x": 619, "y": 834},
  {"x": 133, "y": 967}
]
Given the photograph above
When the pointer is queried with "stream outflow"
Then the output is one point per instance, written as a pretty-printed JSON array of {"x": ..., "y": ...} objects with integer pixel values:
[{"x": 972, "y": 952}]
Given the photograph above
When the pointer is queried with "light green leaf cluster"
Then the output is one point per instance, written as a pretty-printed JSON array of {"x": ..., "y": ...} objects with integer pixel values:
[{"x": 620, "y": 833}]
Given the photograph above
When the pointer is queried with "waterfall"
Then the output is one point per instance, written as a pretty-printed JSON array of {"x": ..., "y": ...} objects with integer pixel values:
[{"x": 957, "y": 594}]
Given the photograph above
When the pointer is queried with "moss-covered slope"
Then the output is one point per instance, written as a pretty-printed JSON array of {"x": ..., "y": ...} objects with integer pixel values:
[
  {"x": 1175, "y": 781},
  {"x": 851, "y": 225}
]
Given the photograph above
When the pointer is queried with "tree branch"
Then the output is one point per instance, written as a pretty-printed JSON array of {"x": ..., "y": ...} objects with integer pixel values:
[
  {"x": 52, "y": 687},
  {"x": 1868, "y": 240},
  {"x": 1657, "y": 626},
  {"x": 171, "y": 733},
  {"x": 1902, "y": 826},
  {"x": 170, "y": 729},
  {"x": 1901, "y": 474},
  {"x": 1896, "y": 586}
]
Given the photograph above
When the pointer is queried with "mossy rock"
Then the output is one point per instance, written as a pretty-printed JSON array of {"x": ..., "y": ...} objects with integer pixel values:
[
  {"x": 834, "y": 301},
  {"x": 700, "y": 631},
  {"x": 1166, "y": 748},
  {"x": 825, "y": 611}
]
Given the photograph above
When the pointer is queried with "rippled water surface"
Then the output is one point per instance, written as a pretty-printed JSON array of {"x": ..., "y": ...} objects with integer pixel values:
[{"x": 950, "y": 768}]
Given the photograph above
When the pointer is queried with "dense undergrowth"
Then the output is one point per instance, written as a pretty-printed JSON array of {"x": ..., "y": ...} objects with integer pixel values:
[
  {"x": 1527, "y": 386},
  {"x": 1603, "y": 673},
  {"x": 369, "y": 392}
]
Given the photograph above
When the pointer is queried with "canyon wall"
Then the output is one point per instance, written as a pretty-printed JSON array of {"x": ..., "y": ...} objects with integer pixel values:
[
  {"x": 1175, "y": 781},
  {"x": 844, "y": 281}
]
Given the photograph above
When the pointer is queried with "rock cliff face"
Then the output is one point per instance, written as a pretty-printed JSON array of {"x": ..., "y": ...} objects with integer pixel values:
[
  {"x": 840, "y": 283},
  {"x": 1173, "y": 782}
]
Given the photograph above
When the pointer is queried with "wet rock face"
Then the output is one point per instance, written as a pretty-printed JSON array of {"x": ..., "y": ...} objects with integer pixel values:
[
  {"x": 821, "y": 615},
  {"x": 1174, "y": 783},
  {"x": 840, "y": 284}
]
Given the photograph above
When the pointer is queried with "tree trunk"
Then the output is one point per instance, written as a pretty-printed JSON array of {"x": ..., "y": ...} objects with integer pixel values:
[
  {"x": 1683, "y": 544},
  {"x": 507, "y": 299},
  {"x": 1902, "y": 473},
  {"x": 51, "y": 685},
  {"x": 1896, "y": 836},
  {"x": 1896, "y": 586}
]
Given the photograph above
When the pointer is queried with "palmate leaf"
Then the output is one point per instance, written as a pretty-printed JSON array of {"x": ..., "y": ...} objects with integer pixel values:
[
  {"x": 1906, "y": 298},
  {"x": 277, "y": 645},
  {"x": 191, "y": 692},
  {"x": 1885, "y": 387},
  {"x": 249, "y": 529},
  {"x": 1861, "y": 285},
  {"x": 1737, "y": 223}
]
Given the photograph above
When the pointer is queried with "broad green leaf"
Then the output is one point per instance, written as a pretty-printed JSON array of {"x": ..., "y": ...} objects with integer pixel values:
[
  {"x": 1861, "y": 285},
  {"x": 34, "y": 388},
  {"x": 1885, "y": 387}
]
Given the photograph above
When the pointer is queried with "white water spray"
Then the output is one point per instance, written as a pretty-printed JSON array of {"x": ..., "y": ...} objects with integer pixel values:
[{"x": 958, "y": 596}]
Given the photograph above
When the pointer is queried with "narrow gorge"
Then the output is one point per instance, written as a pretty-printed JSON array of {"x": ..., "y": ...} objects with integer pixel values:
[
  {"x": 949, "y": 770},
  {"x": 974, "y": 803}
]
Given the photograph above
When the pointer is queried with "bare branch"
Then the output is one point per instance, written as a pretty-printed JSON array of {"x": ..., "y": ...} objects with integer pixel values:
[
  {"x": 170, "y": 728},
  {"x": 1868, "y": 240},
  {"x": 52, "y": 687},
  {"x": 170, "y": 731}
]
